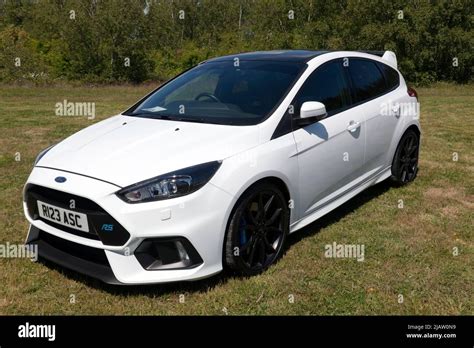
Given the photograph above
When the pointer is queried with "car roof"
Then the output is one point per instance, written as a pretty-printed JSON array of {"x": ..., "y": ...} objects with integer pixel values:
[{"x": 297, "y": 56}]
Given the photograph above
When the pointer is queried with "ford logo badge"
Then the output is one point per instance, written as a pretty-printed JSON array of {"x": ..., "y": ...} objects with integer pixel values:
[{"x": 60, "y": 179}]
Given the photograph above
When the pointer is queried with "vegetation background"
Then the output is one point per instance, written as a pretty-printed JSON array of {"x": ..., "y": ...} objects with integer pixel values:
[{"x": 115, "y": 41}]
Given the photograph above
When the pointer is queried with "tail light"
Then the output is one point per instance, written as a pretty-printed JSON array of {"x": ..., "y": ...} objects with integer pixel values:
[{"x": 412, "y": 93}]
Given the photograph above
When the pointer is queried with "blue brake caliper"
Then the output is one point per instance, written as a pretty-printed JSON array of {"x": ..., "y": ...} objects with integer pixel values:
[{"x": 243, "y": 232}]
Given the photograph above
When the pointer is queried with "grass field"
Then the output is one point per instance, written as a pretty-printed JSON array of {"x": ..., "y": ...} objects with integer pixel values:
[{"x": 423, "y": 252}]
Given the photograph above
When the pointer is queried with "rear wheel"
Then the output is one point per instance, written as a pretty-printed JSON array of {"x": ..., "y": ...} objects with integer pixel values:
[
  {"x": 257, "y": 230},
  {"x": 405, "y": 161}
]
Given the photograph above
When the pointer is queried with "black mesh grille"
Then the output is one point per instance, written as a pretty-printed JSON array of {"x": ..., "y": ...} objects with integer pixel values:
[{"x": 96, "y": 216}]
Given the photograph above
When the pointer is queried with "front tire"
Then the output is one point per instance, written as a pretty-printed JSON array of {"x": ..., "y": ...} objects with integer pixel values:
[
  {"x": 405, "y": 161},
  {"x": 257, "y": 231}
]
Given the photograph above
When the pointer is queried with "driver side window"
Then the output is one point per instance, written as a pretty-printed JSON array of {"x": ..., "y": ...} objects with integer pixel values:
[{"x": 328, "y": 85}]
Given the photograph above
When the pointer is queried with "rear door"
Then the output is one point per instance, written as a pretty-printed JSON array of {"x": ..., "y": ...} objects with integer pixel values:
[
  {"x": 372, "y": 83},
  {"x": 331, "y": 151}
]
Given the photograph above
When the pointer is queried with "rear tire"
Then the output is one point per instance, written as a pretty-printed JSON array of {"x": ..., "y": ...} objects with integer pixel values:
[
  {"x": 405, "y": 160},
  {"x": 257, "y": 230}
]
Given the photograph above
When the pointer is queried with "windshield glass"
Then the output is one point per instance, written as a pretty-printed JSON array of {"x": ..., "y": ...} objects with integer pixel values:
[{"x": 220, "y": 92}]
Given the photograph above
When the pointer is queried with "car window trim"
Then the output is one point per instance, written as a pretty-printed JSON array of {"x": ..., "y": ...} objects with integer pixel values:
[{"x": 282, "y": 130}]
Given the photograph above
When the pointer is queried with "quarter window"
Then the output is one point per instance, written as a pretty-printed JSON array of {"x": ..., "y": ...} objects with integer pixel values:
[{"x": 392, "y": 78}]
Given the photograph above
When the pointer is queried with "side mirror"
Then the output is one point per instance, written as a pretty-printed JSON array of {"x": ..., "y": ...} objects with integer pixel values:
[{"x": 312, "y": 111}]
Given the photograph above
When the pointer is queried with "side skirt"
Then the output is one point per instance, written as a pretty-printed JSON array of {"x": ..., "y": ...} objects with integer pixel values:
[{"x": 341, "y": 199}]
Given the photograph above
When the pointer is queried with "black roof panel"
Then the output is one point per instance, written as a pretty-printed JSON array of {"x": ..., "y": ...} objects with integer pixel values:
[{"x": 300, "y": 56}]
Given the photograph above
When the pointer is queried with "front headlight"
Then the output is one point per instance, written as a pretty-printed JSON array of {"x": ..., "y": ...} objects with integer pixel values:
[
  {"x": 42, "y": 153},
  {"x": 171, "y": 185}
]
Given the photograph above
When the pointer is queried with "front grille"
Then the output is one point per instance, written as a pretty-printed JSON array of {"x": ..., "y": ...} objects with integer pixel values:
[{"x": 114, "y": 234}]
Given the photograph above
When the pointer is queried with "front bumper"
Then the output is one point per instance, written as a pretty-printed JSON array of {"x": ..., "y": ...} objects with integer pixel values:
[{"x": 199, "y": 218}]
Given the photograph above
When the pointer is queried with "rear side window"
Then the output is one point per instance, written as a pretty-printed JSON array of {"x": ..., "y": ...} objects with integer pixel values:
[
  {"x": 328, "y": 85},
  {"x": 392, "y": 78},
  {"x": 367, "y": 79}
]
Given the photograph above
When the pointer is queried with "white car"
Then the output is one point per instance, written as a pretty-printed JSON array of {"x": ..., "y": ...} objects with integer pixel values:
[{"x": 216, "y": 167}]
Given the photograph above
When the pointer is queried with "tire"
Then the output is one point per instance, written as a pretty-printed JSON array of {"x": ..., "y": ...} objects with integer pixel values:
[
  {"x": 254, "y": 241},
  {"x": 405, "y": 160}
]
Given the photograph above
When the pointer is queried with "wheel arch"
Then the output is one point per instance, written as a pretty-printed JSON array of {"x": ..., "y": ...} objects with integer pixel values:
[
  {"x": 413, "y": 127},
  {"x": 279, "y": 182},
  {"x": 396, "y": 140}
]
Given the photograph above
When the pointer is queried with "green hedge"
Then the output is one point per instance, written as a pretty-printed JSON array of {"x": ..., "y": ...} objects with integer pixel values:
[{"x": 130, "y": 41}]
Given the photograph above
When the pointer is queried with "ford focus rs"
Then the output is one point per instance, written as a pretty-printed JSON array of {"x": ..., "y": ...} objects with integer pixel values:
[{"x": 216, "y": 167}]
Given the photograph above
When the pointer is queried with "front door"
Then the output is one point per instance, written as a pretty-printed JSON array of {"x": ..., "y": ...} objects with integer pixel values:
[{"x": 331, "y": 151}]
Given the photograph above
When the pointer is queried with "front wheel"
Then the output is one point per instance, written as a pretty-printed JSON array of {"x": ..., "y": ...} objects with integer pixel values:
[
  {"x": 405, "y": 161},
  {"x": 257, "y": 231}
]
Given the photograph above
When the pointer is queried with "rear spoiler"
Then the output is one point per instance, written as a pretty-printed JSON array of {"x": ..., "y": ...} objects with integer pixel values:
[{"x": 389, "y": 56}]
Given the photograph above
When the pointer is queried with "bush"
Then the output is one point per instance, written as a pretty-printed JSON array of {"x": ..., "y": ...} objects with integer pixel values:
[
  {"x": 20, "y": 58},
  {"x": 432, "y": 40}
]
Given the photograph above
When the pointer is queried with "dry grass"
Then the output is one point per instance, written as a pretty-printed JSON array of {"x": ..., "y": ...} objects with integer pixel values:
[{"x": 408, "y": 252}]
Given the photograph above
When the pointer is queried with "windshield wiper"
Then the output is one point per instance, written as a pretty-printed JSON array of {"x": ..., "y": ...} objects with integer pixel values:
[
  {"x": 175, "y": 118},
  {"x": 171, "y": 117},
  {"x": 190, "y": 119},
  {"x": 150, "y": 114}
]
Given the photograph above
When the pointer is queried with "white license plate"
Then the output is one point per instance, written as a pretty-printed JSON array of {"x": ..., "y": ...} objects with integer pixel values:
[{"x": 65, "y": 217}]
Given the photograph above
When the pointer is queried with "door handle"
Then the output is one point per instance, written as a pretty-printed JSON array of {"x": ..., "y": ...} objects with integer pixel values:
[{"x": 352, "y": 127}]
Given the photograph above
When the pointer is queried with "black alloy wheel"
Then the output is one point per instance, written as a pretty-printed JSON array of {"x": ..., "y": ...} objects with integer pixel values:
[
  {"x": 258, "y": 229},
  {"x": 405, "y": 161}
]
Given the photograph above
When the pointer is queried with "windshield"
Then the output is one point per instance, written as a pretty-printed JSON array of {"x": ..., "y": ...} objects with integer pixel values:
[{"x": 220, "y": 92}]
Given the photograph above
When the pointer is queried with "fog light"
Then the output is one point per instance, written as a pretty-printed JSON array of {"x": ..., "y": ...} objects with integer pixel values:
[{"x": 167, "y": 254}]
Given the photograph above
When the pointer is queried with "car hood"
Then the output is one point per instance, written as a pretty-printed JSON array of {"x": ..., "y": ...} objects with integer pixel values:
[{"x": 124, "y": 150}]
